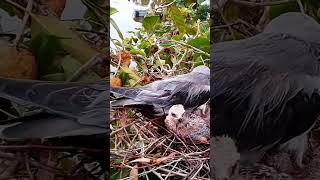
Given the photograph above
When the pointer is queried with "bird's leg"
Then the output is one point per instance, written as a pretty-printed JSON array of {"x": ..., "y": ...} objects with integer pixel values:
[
  {"x": 297, "y": 147},
  {"x": 301, "y": 149}
]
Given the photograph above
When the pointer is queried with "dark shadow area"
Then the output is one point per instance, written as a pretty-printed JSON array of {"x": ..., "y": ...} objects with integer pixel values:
[
  {"x": 54, "y": 89},
  {"x": 265, "y": 99}
]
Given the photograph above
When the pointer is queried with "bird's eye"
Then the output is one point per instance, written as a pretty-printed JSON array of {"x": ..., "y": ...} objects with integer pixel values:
[{"x": 174, "y": 115}]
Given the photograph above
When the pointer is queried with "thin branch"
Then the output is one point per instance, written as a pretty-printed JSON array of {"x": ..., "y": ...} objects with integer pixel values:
[
  {"x": 15, "y": 177},
  {"x": 249, "y": 25},
  {"x": 263, "y": 19},
  {"x": 8, "y": 114},
  {"x": 300, "y": 6},
  {"x": 24, "y": 23},
  {"x": 220, "y": 9},
  {"x": 166, "y": 5},
  {"x": 31, "y": 176},
  {"x": 85, "y": 67},
  {"x": 16, "y": 5},
  {"x": 91, "y": 31},
  {"x": 49, "y": 148},
  {"x": 185, "y": 44},
  {"x": 94, "y": 10},
  {"x": 224, "y": 26},
  {"x": 269, "y": 3}
]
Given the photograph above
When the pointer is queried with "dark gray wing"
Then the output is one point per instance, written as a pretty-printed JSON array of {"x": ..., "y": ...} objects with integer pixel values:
[
  {"x": 46, "y": 125},
  {"x": 189, "y": 89},
  {"x": 75, "y": 108},
  {"x": 260, "y": 86}
]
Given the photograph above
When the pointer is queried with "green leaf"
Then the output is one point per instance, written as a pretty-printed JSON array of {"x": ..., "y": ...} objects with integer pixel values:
[
  {"x": 93, "y": 19},
  {"x": 178, "y": 18},
  {"x": 7, "y": 7},
  {"x": 144, "y": 44},
  {"x": 124, "y": 76},
  {"x": 71, "y": 65},
  {"x": 189, "y": 2},
  {"x": 69, "y": 40},
  {"x": 277, "y": 10},
  {"x": 117, "y": 42},
  {"x": 113, "y": 11},
  {"x": 166, "y": 44},
  {"x": 192, "y": 30},
  {"x": 132, "y": 82},
  {"x": 46, "y": 48},
  {"x": 135, "y": 51},
  {"x": 201, "y": 43},
  {"x": 160, "y": 62},
  {"x": 117, "y": 174},
  {"x": 114, "y": 24},
  {"x": 131, "y": 73},
  {"x": 135, "y": 40},
  {"x": 149, "y": 23},
  {"x": 68, "y": 164},
  {"x": 177, "y": 37}
]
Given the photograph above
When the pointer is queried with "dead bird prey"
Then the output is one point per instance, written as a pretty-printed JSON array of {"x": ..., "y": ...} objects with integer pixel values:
[
  {"x": 71, "y": 109},
  {"x": 265, "y": 89},
  {"x": 191, "y": 90},
  {"x": 188, "y": 126}
]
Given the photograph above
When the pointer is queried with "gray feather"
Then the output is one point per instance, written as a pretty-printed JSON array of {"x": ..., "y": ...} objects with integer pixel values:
[
  {"x": 270, "y": 84},
  {"x": 74, "y": 108},
  {"x": 182, "y": 89},
  {"x": 49, "y": 127}
]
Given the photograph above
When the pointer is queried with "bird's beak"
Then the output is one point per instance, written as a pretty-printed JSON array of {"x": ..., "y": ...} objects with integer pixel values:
[{"x": 180, "y": 118}]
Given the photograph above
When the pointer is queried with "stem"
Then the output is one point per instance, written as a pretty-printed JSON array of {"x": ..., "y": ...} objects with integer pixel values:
[
  {"x": 272, "y": 3},
  {"x": 192, "y": 47},
  {"x": 26, "y": 16}
]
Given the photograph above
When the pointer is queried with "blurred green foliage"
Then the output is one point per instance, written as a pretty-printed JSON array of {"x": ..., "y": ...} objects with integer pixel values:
[{"x": 177, "y": 36}]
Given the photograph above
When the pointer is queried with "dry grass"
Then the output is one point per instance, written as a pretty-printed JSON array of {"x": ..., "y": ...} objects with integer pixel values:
[{"x": 146, "y": 149}]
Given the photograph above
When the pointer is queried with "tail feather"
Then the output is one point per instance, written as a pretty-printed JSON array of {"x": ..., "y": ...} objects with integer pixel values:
[
  {"x": 47, "y": 126},
  {"x": 125, "y": 102}
]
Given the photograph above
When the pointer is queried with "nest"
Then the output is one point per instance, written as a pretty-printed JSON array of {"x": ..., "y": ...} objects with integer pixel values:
[{"x": 144, "y": 149}]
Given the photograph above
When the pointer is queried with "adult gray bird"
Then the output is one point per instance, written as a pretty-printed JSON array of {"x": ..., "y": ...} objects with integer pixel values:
[
  {"x": 265, "y": 89},
  {"x": 191, "y": 90},
  {"x": 70, "y": 108}
]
